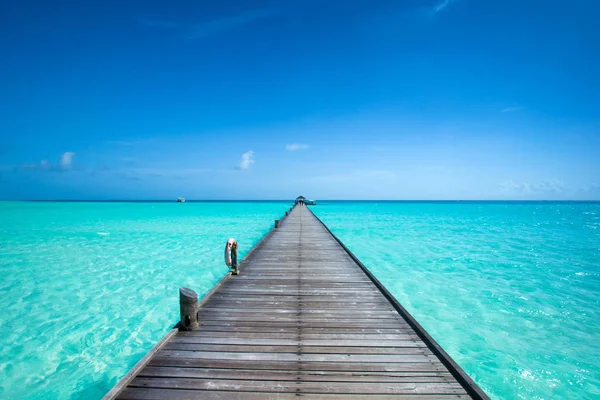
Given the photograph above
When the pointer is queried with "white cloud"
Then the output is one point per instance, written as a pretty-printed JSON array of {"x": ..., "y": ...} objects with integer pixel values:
[
  {"x": 246, "y": 161},
  {"x": 66, "y": 160},
  {"x": 296, "y": 146}
]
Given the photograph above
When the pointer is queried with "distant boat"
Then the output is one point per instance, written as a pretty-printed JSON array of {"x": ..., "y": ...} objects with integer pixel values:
[{"x": 180, "y": 200}]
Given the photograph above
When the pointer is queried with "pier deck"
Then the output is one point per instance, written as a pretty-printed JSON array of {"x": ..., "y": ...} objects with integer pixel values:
[{"x": 304, "y": 319}]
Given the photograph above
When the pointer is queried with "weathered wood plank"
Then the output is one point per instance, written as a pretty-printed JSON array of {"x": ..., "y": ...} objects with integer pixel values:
[
  {"x": 301, "y": 386},
  {"x": 304, "y": 336},
  {"x": 293, "y": 328},
  {"x": 158, "y": 360},
  {"x": 245, "y": 348},
  {"x": 180, "y": 394},
  {"x": 320, "y": 312},
  {"x": 310, "y": 322},
  {"x": 331, "y": 318},
  {"x": 303, "y": 357},
  {"x": 294, "y": 375},
  {"x": 226, "y": 306},
  {"x": 371, "y": 341}
]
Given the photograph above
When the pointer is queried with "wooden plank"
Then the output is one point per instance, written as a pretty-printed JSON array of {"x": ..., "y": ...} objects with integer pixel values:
[
  {"x": 303, "y": 357},
  {"x": 245, "y": 348},
  {"x": 302, "y": 292},
  {"x": 372, "y": 340},
  {"x": 327, "y": 312},
  {"x": 179, "y": 394},
  {"x": 304, "y": 311},
  {"x": 295, "y": 336},
  {"x": 226, "y": 306},
  {"x": 293, "y": 328},
  {"x": 312, "y": 301},
  {"x": 158, "y": 360},
  {"x": 300, "y": 386},
  {"x": 329, "y": 318},
  {"x": 294, "y": 375}
]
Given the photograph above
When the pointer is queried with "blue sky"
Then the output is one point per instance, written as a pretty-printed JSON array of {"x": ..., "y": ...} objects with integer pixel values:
[{"x": 415, "y": 99}]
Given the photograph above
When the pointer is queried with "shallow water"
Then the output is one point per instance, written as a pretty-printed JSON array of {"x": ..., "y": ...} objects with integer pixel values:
[
  {"x": 510, "y": 290},
  {"x": 86, "y": 289}
]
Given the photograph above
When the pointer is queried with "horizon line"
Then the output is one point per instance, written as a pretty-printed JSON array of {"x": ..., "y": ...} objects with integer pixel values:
[{"x": 292, "y": 200}]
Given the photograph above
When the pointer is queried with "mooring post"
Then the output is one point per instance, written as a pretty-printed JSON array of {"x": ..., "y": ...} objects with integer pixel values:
[
  {"x": 188, "y": 307},
  {"x": 277, "y": 223},
  {"x": 286, "y": 213}
]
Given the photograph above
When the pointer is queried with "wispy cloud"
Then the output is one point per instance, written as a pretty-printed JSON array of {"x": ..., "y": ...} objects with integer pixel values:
[
  {"x": 128, "y": 177},
  {"x": 545, "y": 187},
  {"x": 511, "y": 109},
  {"x": 352, "y": 177},
  {"x": 221, "y": 25},
  {"x": 128, "y": 160},
  {"x": 296, "y": 146},
  {"x": 165, "y": 172},
  {"x": 213, "y": 27},
  {"x": 139, "y": 174},
  {"x": 589, "y": 192},
  {"x": 246, "y": 161},
  {"x": 134, "y": 142},
  {"x": 442, "y": 5},
  {"x": 121, "y": 143}
]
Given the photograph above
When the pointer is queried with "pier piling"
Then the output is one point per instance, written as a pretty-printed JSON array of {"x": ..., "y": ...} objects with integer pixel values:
[{"x": 188, "y": 306}]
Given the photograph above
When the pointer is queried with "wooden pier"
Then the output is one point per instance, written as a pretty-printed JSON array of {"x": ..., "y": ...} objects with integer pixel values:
[{"x": 304, "y": 318}]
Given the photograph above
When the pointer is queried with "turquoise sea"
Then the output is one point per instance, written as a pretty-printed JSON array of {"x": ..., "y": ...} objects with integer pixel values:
[
  {"x": 86, "y": 289},
  {"x": 510, "y": 290}
]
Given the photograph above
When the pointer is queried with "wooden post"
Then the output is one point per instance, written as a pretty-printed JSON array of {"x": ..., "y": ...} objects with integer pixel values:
[
  {"x": 234, "y": 265},
  {"x": 286, "y": 213},
  {"x": 188, "y": 307},
  {"x": 277, "y": 223}
]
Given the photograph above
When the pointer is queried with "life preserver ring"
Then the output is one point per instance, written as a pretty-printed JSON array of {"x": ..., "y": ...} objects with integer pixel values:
[{"x": 228, "y": 250}]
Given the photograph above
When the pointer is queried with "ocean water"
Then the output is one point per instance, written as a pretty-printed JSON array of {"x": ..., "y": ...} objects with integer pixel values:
[
  {"x": 86, "y": 289},
  {"x": 510, "y": 290}
]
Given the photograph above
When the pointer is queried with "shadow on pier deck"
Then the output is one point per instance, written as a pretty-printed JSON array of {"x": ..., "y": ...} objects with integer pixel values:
[{"x": 304, "y": 319}]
